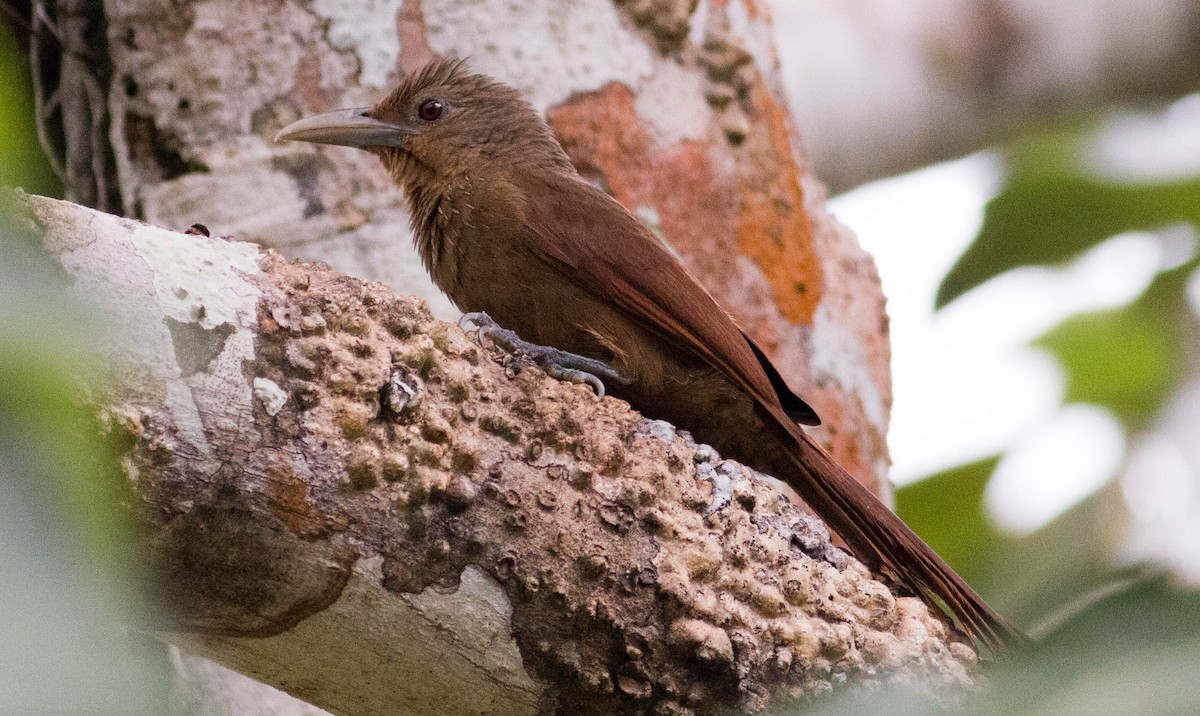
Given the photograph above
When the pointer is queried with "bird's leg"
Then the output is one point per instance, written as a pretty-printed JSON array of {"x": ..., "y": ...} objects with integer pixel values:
[{"x": 556, "y": 363}]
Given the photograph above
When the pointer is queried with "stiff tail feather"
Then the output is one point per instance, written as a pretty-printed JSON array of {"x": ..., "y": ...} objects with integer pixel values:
[{"x": 885, "y": 544}]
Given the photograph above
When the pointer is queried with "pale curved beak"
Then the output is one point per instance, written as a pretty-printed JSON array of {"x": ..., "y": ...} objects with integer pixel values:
[{"x": 346, "y": 128}]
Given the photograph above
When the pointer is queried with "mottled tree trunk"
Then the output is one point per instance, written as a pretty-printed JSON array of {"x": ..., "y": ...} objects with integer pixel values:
[{"x": 677, "y": 111}]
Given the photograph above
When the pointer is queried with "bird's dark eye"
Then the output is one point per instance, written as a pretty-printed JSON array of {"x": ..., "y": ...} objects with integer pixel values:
[{"x": 431, "y": 110}]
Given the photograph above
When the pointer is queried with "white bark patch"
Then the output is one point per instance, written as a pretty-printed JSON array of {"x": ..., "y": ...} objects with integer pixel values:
[
  {"x": 671, "y": 99},
  {"x": 367, "y": 28},
  {"x": 200, "y": 279},
  {"x": 204, "y": 281},
  {"x": 247, "y": 197},
  {"x": 548, "y": 49},
  {"x": 837, "y": 355},
  {"x": 270, "y": 395},
  {"x": 699, "y": 25},
  {"x": 432, "y": 652},
  {"x": 755, "y": 34},
  {"x": 151, "y": 280},
  {"x": 480, "y": 614}
]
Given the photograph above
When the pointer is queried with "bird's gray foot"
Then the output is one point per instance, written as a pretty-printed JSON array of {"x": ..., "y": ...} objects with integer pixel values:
[{"x": 556, "y": 363}]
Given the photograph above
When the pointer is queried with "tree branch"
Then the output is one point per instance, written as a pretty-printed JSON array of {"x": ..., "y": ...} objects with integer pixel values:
[{"x": 358, "y": 504}]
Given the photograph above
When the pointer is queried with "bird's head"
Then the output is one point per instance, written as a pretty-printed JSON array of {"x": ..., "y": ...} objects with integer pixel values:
[{"x": 440, "y": 122}]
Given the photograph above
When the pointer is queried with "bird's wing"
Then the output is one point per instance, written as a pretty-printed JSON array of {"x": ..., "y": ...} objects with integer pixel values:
[{"x": 609, "y": 253}]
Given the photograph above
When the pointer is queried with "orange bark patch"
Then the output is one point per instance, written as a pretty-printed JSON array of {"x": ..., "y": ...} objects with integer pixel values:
[
  {"x": 607, "y": 140},
  {"x": 288, "y": 500},
  {"x": 308, "y": 82},
  {"x": 603, "y": 135},
  {"x": 773, "y": 228},
  {"x": 415, "y": 50},
  {"x": 706, "y": 217}
]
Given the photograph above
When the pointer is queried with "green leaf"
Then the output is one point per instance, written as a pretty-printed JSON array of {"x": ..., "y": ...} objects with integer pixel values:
[
  {"x": 22, "y": 162},
  {"x": 1115, "y": 361},
  {"x": 946, "y": 510},
  {"x": 1130, "y": 359},
  {"x": 1024, "y": 577},
  {"x": 1047, "y": 218}
]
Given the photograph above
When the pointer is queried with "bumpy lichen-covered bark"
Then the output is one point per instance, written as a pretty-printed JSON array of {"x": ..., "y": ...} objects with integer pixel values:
[{"x": 361, "y": 505}]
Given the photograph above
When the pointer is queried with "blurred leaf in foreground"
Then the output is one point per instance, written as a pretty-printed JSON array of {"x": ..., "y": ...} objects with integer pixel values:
[
  {"x": 1046, "y": 220},
  {"x": 67, "y": 595},
  {"x": 67, "y": 591}
]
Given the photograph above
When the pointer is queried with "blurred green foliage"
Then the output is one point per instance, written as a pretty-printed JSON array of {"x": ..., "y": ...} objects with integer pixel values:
[
  {"x": 1051, "y": 209},
  {"x": 1129, "y": 360},
  {"x": 1107, "y": 639},
  {"x": 1048, "y": 219},
  {"x": 68, "y": 593},
  {"x": 22, "y": 162}
]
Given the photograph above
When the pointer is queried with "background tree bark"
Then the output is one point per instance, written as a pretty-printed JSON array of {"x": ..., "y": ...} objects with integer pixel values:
[
  {"x": 881, "y": 87},
  {"x": 352, "y": 501},
  {"x": 679, "y": 113}
]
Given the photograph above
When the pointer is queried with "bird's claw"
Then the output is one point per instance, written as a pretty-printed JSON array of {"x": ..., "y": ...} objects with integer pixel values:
[
  {"x": 556, "y": 363},
  {"x": 574, "y": 376}
]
